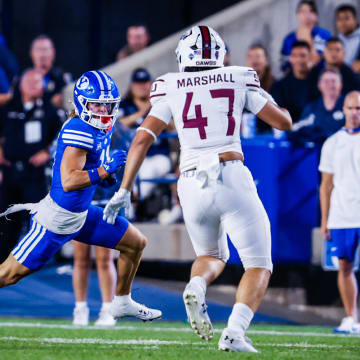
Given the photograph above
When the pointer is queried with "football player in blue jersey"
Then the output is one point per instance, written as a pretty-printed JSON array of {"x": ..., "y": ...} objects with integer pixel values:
[{"x": 81, "y": 162}]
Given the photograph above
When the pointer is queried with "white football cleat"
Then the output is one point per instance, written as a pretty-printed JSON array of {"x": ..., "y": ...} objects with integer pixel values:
[
  {"x": 355, "y": 329},
  {"x": 105, "y": 319},
  {"x": 345, "y": 326},
  {"x": 230, "y": 341},
  {"x": 196, "y": 310},
  {"x": 134, "y": 309},
  {"x": 81, "y": 316}
]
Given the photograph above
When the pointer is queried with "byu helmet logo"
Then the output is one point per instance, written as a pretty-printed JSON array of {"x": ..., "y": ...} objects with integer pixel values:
[{"x": 82, "y": 83}]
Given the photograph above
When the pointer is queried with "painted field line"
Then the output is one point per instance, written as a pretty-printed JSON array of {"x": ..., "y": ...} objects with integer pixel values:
[
  {"x": 151, "y": 342},
  {"x": 303, "y": 345},
  {"x": 100, "y": 341},
  {"x": 168, "y": 329}
]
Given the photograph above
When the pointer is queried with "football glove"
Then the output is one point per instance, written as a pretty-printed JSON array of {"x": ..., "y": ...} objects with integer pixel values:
[
  {"x": 117, "y": 159},
  {"x": 121, "y": 199}
]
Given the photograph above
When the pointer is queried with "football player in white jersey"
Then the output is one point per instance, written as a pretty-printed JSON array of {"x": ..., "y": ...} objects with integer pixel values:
[
  {"x": 216, "y": 191},
  {"x": 340, "y": 205}
]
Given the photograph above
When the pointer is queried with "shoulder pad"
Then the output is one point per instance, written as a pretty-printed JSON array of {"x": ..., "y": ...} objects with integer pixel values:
[
  {"x": 76, "y": 132},
  {"x": 158, "y": 90}
]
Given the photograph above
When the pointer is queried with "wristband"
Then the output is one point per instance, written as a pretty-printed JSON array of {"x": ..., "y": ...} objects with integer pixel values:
[{"x": 94, "y": 176}]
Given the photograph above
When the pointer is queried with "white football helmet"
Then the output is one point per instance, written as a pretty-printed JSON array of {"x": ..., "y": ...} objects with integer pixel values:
[{"x": 201, "y": 46}]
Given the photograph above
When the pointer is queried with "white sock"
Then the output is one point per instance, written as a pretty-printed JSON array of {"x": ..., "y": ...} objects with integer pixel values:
[
  {"x": 106, "y": 306},
  {"x": 80, "y": 304},
  {"x": 122, "y": 299},
  {"x": 200, "y": 282},
  {"x": 240, "y": 318}
]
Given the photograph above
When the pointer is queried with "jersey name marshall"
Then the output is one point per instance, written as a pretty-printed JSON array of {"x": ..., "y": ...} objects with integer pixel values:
[{"x": 205, "y": 80}]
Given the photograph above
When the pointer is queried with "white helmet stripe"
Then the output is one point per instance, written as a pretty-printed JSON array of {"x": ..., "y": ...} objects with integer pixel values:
[
  {"x": 108, "y": 86},
  {"x": 101, "y": 83}
]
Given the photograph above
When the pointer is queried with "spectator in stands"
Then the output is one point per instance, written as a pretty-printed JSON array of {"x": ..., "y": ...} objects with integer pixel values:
[
  {"x": 107, "y": 280},
  {"x": 136, "y": 103},
  {"x": 138, "y": 38},
  {"x": 348, "y": 32},
  {"x": 27, "y": 128},
  {"x": 42, "y": 52},
  {"x": 292, "y": 91},
  {"x": 257, "y": 58},
  {"x": 324, "y": 116},
  {"x": 134, "y": 108},
  {"x": 340, "y": 206},
  {"x": 334, "y": 56},
  {"x": 307, "y": 30}
]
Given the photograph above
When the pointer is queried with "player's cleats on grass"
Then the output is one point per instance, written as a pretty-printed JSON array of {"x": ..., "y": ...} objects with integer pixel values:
[
  {"x": 345, "y": 326},
  {"x": 105, "y": 319},
  {"x": 196, "y": 310},
  {"x": 134, "y": 309},
  {"x": 230, "y": 341},
  {"x": 355, "y": 329},
  {"x": 81, "y": 316}
]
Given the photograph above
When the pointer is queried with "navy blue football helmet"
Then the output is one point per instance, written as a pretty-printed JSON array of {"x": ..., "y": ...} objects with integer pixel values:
[{"x": 97, "y": 87}]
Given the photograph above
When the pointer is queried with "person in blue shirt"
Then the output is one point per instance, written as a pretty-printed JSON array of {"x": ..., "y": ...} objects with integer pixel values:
[
  {"x": 324, "y": 116},
  {"x": 307, "y": 30},
  {"x": 82, "y": 162}
]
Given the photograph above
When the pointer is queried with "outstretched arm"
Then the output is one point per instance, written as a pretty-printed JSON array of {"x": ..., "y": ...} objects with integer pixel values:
[
  {"x": 145, "y": 136},
  {"x": 139, "y": 148}
]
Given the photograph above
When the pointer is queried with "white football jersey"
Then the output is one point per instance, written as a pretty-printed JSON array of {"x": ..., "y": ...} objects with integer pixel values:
[
  {"x": 340, "y": 156},
  {"x": 207, "y": 107}
]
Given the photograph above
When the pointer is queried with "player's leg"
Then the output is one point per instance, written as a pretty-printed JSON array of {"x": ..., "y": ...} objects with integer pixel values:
[
  {"x": 11, "y": 271},
  {"x": 345, "y": 241},
  {"x": 107, "y": 280},
  {"x": 202, "y": 222},
  {"x": 80, "y": 281},
  {"x": 32, "y": 251},
  {"x": 247, "y": 224},
  {"x": 348, "y": 287},
  {"x": 130, "y": 242}
]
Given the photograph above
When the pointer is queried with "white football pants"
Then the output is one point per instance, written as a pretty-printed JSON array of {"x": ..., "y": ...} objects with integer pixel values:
[{"x": 229, "y": 205}]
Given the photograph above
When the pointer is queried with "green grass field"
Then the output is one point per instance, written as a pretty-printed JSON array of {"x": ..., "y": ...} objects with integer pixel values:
[{"x": 50, "y": 339}]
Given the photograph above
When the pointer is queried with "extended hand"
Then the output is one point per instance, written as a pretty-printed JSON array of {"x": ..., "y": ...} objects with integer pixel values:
[
  {"x": 120, "y": 199},
  {"x": 117, "y": 159}
]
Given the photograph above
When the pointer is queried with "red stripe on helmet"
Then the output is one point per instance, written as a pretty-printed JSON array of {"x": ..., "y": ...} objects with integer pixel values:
[{"x": 206, "y": 42}]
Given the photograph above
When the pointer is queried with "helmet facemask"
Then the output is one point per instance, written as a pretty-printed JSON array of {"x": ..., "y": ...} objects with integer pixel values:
[{"x": 100, "y": 120}]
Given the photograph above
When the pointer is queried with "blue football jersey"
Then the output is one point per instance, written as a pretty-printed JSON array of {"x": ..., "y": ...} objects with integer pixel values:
[{"x": 77, "y": 133}]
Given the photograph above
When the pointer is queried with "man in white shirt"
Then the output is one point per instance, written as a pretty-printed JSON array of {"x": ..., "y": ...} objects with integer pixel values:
[
  {"x": 216, "y": 191},
  {"x": 340, "y": 204}
]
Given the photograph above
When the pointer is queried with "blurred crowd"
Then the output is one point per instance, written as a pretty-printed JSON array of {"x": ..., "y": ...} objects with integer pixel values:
[{"x": 319, "y": 68}]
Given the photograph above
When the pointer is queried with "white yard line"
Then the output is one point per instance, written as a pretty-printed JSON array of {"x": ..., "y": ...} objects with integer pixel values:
[
  {"x": 100, "y": 341},
  {"x": 167, "y": 329},
  {"x": 153, "y": 343}
]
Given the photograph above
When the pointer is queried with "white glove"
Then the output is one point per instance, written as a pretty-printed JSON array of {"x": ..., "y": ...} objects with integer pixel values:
[
  {"x": 267, "y": 96},
  {"x": 121, "y": 199}
]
